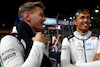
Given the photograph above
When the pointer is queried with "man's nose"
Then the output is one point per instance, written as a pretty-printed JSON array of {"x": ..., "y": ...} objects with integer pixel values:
[
  {"x": 85, "y": 19},
  {"x": 44, "y": 19}
]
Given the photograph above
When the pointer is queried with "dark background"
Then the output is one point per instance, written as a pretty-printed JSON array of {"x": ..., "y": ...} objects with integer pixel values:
[{"x": 8, "y": 9}]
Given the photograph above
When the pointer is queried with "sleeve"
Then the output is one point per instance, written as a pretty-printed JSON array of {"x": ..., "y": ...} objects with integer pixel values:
[
  {"x": 93, "y": 64},
  {"x": 98, "y": 51},
  {"x": 65, "y": 57},
  {"x": 35, "y": 57},
  {"x": 12, "y": 54},
  {"x": 65, "y": 54}
]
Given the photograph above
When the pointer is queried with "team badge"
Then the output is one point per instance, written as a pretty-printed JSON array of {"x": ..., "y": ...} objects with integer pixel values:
[
  {"x": 93, "y": 38},
  {"x": 73, "y": 39}
]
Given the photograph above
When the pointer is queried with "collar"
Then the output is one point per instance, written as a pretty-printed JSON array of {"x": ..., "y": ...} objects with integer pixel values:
[
  {"x": 14, "y": 30},
  {"x": 26, "y": 27},
  {"x": 82, "y": 36}
]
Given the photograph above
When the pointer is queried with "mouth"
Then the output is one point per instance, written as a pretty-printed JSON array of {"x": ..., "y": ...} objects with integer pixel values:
[
  {"x": 85, "y": 25},
  {"x": 41, "y": 22}
]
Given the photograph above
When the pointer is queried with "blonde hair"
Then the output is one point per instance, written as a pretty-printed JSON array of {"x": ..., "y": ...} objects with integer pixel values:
[{"x": 28, "y": 7}]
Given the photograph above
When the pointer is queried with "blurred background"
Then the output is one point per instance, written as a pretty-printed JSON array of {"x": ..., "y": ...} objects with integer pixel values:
[
  {"x": 58, "y": 14},
  {"x": 65, "y": 10}
]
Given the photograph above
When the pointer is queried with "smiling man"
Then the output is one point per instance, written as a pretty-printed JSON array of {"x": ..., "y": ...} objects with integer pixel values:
[
  {"x": 80, "y": 48},
  {"x": 82, "y": 21},
  {"x": 23, "y": 48}
]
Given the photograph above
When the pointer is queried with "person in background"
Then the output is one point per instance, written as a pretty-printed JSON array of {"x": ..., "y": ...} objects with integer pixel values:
[
  {"x": 53, "y": 38},
  {"x": 58, "y": 45},
  {"x": 83, "y": 47},
  {"x": 26, "y": 49}
]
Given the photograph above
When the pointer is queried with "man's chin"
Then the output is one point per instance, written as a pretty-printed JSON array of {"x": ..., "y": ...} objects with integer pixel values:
[{"x": 40, "y": 30}]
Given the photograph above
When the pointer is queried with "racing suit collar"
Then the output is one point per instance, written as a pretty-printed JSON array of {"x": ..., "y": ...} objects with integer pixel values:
[
  {"x": 25, "y": 33},
  {"x": 82, "y": 36}
]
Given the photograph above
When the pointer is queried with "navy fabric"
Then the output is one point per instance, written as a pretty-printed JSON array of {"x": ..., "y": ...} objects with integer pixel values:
[{"x": 25, "y": 33}]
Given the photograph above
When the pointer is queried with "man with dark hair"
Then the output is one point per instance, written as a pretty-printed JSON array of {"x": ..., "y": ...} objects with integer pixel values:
[
  {"x": 80, "y": 48},
  {"x": 23, "y": 48}
]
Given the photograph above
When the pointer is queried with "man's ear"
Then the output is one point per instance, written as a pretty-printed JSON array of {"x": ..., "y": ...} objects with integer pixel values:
[
  {"x": 27, "y": 16},
  {"x": 75, "y": 22}
]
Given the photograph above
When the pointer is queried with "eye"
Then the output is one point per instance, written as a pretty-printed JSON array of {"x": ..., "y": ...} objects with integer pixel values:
[
  {"x": 88, "y": 17},
  {"x": 42, "y": 14},
  {"x": 82, "y": 17}
]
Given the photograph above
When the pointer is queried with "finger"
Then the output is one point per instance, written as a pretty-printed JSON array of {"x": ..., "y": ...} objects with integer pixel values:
[
  {"x": 45, "y": 34},
  {"x": 99, "y": 54},
  {"x": 33, "y": 38},
  {"x": 40, "y": 33}
]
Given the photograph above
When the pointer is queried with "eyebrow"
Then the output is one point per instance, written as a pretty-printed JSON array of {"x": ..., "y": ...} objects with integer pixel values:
[
  {"x": 85, "y": 16},
  {"x": 42, "y": 14}
]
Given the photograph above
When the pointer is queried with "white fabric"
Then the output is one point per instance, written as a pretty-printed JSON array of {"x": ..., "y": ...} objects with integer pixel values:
[
  {"x": 75, "y": 50},
  {"x": 12, "y": 53}
]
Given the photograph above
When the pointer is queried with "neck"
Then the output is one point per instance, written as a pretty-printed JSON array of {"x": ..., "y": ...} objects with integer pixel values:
[
  {"x": 33, "y": 30},
  {"x": 83, "y": 31},
  {"x": 82, "y": 34},
  {"x": 25, "y": 28}
]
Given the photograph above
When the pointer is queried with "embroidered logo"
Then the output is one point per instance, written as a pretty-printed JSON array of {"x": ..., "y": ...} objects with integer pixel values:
[
  {"x": 93, "y": 38},
  {"x": 88, "y": 44},
  {"x": 73, "y": 39}
]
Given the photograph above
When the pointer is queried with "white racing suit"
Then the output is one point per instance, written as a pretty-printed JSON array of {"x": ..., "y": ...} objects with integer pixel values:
[
  {"x": 12, "y": 53},
  {"x": 80, "y": 49}
]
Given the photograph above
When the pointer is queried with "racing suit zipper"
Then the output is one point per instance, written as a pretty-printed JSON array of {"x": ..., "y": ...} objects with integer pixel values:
[{"x": 84, "y": 51}]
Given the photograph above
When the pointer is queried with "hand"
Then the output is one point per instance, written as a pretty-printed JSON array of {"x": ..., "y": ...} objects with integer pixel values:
[
  {"x": 41, "y": 37},
  {"x": 73, "y": 63},
  {"x": 97, "y": 56}
]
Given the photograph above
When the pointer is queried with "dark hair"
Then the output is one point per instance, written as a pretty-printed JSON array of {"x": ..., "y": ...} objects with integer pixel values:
[{"x": 80, "y": 11}]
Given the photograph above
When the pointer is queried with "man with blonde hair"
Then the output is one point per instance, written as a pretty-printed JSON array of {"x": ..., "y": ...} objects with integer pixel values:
[{"x": 23, "y": 48}]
